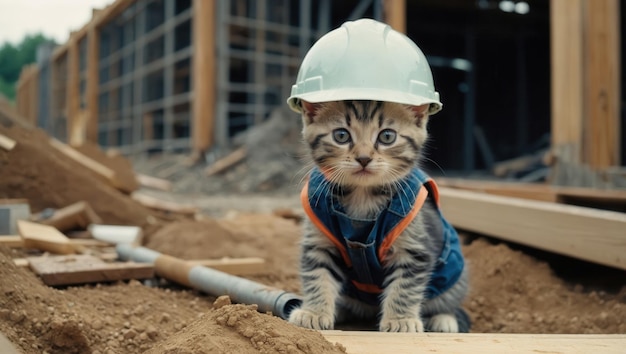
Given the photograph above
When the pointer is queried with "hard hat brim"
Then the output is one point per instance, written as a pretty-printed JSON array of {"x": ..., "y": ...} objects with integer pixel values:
[{"x": 364, "y": 94}]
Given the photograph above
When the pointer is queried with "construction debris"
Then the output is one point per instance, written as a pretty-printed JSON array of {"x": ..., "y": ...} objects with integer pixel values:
[
  {"x": 45, "y": 238},
  {"x": 75, "y": 216},
  {"x": 7, "y": 143},
  {"x": 12, "y": 210},
  {"x": 153, "y": 182},
  {"x": 81, "y": 269}
]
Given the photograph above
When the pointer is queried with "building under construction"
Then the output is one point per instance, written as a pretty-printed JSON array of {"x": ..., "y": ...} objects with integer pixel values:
[{"x": 516, "y": 77}]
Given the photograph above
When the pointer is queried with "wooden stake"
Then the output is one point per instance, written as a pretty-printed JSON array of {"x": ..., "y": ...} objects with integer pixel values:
[{"x": 154, "y": 182}]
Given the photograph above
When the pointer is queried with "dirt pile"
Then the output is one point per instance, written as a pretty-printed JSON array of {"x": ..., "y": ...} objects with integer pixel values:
[
  {"x": 241, "y": 329},
  {"x": 512, "y": 292},
  {"x": 48, "y": 179}
]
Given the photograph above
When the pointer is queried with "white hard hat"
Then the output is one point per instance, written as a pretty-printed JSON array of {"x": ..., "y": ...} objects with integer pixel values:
[{"x": 365, "y": 60}]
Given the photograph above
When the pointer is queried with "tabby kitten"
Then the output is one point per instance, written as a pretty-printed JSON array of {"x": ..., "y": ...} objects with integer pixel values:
[{"x": 375, "y": 243}]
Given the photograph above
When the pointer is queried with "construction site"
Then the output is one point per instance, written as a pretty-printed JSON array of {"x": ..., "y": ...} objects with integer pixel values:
[{"x": 150, "y": 172}]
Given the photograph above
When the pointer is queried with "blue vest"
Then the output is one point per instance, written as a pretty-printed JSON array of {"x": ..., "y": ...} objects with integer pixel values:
[{"x": 363, "y": 244}]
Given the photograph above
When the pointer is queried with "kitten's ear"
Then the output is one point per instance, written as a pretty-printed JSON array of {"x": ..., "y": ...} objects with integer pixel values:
[
  {"x": 309, "y": 109},
  {"x": 420, "y": 113}
]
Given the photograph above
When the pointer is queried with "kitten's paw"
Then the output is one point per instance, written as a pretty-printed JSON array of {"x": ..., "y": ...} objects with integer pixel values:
[
  {"x": 401, "y": 325},
  {"x": 309, "y": 319},
  {"x": 443, "y": 322}
]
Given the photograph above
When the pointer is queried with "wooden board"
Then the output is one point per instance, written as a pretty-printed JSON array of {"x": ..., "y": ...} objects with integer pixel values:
[
  {"x": 12, "y": 241},
  {"x": 6, "y": 347},
  {"x": 234, "y": 266},
  {"x": 485, "y": 343},
  {"x": 606, "y": 198},
  {"x": 589, "y": 234},
  {"x": 164, "y": 205},
  {"x": 80, "y": 269},
  {"x": 44, "y": 237},
  {"x": 226, "y": 162},
  {"x": 77, "y": 215},
  {"x": 153, "y": 182},
  {"x": 7, "y": 143}
]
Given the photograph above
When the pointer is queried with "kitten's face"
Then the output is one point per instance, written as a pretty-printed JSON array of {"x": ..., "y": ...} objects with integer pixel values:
[{"x": 364, "y": 143}]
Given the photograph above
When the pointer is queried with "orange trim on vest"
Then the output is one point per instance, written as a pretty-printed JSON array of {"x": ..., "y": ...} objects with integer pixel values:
[
  {"x": 435, "y": 189},
  {"x": 368, "y": 288},
  {"x": 304, "y": 198},
  {"x": 391, "y": 237}
]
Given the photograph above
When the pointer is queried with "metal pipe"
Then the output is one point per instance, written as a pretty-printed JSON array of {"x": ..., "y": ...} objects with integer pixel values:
[{"x": 214, "y": 282}]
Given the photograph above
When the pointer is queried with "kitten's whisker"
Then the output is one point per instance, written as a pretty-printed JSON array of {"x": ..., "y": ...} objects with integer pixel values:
[{"x": 436, "y": 164}]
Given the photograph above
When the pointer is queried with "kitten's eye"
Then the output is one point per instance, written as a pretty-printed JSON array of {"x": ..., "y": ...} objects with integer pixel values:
[
  {"x": 387, "y": 136},
  {"x": 341, "y": 136}
]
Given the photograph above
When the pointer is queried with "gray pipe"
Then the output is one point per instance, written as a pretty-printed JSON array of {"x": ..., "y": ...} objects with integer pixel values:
[{"x": 217, "y": 283}]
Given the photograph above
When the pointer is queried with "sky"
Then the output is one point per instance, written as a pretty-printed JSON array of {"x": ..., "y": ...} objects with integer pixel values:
[{"x": 53, "y": 18}]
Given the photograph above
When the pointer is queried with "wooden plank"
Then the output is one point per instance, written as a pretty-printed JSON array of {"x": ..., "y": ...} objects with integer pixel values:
[
  {"x": 105, "y": 173},
  {"x": 44, "y": 237},
  {"x": 566, "y": 58},
  {"x": 380, "y": 342},
  {"x": 164, "y": 205},
  {"x": 226, "y": 162},
  {"x": 77, "y": 215},
  {"x": 204, "y": 74},
  {"x": 6, "y": 347},
  {"x": 602, "y": 97},
  {"x": 588, "y": 234},
  {"x": 153, "y": 182},
  {"x": 80, "y": 269},
  {"x": 11, "y": 241},
  {"x": 395, "y": 14},
  {"x": 609, "y": 199},
  {"x": 234, "y": 266},
  {"x": 7, "y": 143}
]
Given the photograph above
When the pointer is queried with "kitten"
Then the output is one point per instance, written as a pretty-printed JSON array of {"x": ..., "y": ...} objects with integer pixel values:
[{"x": 375, "y": 242}]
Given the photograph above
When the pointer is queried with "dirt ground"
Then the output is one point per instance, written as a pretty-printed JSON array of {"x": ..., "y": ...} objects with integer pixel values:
[{"x": 513, "y": 290}]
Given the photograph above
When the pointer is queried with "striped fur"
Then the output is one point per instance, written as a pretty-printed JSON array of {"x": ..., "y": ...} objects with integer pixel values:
[{"x": 364, "y": 190}]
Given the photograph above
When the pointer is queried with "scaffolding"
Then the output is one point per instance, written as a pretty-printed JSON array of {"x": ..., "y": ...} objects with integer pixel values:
[{"x": 170, "y": 75}]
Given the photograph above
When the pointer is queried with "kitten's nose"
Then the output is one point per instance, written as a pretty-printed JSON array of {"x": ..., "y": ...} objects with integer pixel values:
[{"x": 363, "y": 160}]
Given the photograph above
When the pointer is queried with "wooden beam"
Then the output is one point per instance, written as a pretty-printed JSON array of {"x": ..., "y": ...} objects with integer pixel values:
[
  {"x": 43, "y": 237},
  {"x": 80, "y": 269},
  {"x": 542, "y": 192},
  {"x": 363, "y": 342},
  {"x": 72, "y": 98},
  {"x": 566, "y": 57},
  {"x": 395, "y": 14},
  {"x": 602, "y": 98},
  {"x": 163, "y": 205},
  {"x": 204, "y": 75},
  {"x": 77, "y": 215},
  {"x": 226, "y": 162},
  {"x": 93, "y": 38},
  {"x": 585, "y": 233},
  {"x": 153, "y": 182},
  {"x": 11, "y": 241}
]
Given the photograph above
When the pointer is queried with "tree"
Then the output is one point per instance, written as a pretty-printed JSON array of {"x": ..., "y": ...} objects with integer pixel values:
[{"x": 13, "y": 58}]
